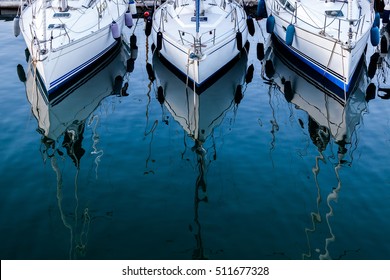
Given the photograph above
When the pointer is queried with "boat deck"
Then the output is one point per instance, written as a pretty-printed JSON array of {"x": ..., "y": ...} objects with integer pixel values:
[
  {"x": 88, "y": 16},
  {"x": 178, "y": 21},
  {"x": 327, "y": 18}
]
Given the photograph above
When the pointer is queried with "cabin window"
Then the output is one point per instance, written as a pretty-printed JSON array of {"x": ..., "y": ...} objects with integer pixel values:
[
  {"x": 290, "y": 7},
  {"x": 334, "y": 13},
  {"x": 88, "y": 3},
  {"x": 61, "y": 15},
  {"x": 56, "y": 26},
  {"x": 287, "y": 5}
]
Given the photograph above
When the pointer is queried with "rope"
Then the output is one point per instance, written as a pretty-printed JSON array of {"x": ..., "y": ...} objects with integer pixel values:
[
  {"x": 315, "y": 25},
  {"x": 261, "y": 30},
  {"x": 330, "y": 58},
  {"x": 135, "y": 25},
  {"x": 35, "y": 88},
  {"x": 188, "y": 65},
  {"x": 342, "y": 58}
]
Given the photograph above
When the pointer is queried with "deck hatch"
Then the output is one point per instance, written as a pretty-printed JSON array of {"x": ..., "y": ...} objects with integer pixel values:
[
  {"x": 61, "y": 15},
  {"x": 201, "y": 19},
  {"x": 334, "y": 13},
  {"x": 56, "y": 26}
]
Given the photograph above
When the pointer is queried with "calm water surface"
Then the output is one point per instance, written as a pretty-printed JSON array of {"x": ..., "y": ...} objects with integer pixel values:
[{"x": 104, "y": 176}]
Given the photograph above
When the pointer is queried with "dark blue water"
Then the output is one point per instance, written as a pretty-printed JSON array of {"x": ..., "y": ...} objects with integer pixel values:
[{"x": 104, "y": 176}]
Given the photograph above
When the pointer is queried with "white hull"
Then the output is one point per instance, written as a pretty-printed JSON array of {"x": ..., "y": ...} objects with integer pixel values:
[
  {"x": 72, "y": 40},
  {"x": 200, "y": 114},
  {"x": 331, "y": 51},
  {"x": 199, "y": 55}
]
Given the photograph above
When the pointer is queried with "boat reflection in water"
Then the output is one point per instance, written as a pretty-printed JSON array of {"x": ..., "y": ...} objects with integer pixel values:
[
  {"x": 331, "y": 124},
  {"x": 64, "y": 119},
  {"x": 199, "y": 115}
]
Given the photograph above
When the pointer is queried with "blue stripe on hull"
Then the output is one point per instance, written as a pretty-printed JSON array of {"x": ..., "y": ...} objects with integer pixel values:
[
  {"x": 58, "y": 83},
  {"x": 81, "y": 71},
  {"x": 321, "y": 75},
  {"x": 206, "y": 83}
]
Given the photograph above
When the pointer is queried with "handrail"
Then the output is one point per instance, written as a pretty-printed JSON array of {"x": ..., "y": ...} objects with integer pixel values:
[
  {"x": 358, "y": 23},
  {"x": 197, "y": 43}
]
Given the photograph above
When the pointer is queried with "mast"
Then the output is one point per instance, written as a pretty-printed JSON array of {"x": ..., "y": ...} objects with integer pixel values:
[
  {"x": 197, "y": 17},
  {"x": 197, "y": 43},
  {"x": 38, "y": 28},
  {"x": 44, "y": 25},
  {"x": 349, "y": 17},
  {"x": 350, "y": 10}
]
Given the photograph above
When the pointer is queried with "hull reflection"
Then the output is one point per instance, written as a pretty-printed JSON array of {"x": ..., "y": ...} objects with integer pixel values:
[
  {"x": 199, "y": 115},
  {"x": 331, "y": 123},
  {"x": 65, "y": 120},
  {"x": 323, "y": 106}
]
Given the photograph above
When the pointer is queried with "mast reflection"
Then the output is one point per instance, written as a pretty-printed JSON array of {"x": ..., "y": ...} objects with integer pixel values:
[
  {"x": 199, "y": 112},
  {"x": 62, "y": 123},
  {"x": 331, "y": 122}
]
